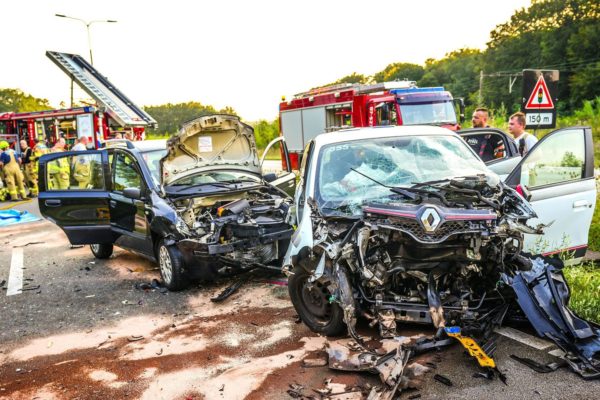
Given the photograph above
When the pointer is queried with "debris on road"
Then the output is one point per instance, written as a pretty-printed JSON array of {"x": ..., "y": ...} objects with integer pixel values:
[
  {"x": 135, "y": 338},
  {"x": 537, "y": 367},
  {"x": 228, "y": 291},
  {"x": 443, "y": 379}
]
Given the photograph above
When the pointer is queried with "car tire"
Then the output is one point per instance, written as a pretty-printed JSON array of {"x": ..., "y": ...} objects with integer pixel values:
[
  {"x": 170, "y": 263},
  {"x": 101, "y": 251},
  {"x": 311, "y": 301}
]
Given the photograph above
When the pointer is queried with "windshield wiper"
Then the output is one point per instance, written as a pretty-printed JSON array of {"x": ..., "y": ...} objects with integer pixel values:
[
  {"x": 215, "y": 184},
  {"x": 438, "y": 181},
  {"x": 406, "y": 192}
]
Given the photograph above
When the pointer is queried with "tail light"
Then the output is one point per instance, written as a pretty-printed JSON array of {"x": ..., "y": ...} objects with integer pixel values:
[{"x": 294, "y": 162}]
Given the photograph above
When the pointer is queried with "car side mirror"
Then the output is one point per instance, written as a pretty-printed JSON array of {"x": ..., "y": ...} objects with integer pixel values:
[
  {"x": 132, "y": 193},
  {"x": 270, "y": 177}
]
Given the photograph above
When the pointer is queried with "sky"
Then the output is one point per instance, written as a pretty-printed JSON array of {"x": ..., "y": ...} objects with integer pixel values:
[{"x": 239, "y": 53}]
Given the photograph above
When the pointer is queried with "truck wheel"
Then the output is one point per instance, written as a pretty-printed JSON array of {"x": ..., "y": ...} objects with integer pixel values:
[
  {"x": 101, "y": 250},
  {"x": 311, "y": 301},
  {"x": 170, "y": 263}
]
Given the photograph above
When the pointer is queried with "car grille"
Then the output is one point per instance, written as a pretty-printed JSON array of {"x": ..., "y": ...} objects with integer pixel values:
[{"x": 443, "y": 231}]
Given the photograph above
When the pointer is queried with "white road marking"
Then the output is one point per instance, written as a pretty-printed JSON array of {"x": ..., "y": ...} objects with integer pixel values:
[
  {"x": 525, "y": 338},
  {"x": 15, "y": 277}
]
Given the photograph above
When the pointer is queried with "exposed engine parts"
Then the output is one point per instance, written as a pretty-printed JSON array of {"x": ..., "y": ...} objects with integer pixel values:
[{"x": 445, "y": 255}]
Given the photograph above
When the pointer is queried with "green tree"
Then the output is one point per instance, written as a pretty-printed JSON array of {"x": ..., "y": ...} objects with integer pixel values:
[
  {"x": 17, "y": 101},
  {"x": 400, "y": 71},
  {"x": 170, "y": 117},
  {"x": 265, "y": 131},
  {"x": 457, "y": 72}
]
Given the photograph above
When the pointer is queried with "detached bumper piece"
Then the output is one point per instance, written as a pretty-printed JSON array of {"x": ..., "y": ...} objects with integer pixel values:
[{"x": 543, "y": 295}]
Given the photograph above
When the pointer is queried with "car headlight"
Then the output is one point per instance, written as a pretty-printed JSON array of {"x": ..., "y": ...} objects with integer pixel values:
[{"x": 182, "y": 227}]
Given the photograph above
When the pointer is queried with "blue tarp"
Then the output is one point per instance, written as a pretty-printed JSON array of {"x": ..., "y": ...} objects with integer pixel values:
[{"x": 11, "y": 217}]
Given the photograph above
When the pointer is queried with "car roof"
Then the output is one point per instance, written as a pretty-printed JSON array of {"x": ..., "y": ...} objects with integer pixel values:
[
  {"x": 150, "y": 145},
  {"x": 345, "y": 135}
]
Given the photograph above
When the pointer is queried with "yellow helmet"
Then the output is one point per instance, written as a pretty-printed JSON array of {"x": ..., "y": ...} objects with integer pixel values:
[{"x": 4, "y": 145}]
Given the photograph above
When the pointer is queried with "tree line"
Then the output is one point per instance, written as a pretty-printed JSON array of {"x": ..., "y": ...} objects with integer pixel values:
[{"x": 549, "y": 34}]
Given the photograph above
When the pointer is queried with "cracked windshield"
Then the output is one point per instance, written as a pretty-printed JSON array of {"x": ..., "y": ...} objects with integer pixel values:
[{"x": 348, "y": 172}]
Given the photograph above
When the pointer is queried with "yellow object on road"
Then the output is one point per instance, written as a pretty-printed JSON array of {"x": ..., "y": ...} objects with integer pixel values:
[{"x": 472, "y": 347}]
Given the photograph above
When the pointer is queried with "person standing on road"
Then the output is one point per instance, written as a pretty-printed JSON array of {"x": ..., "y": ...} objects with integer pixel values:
[
  {"x": 516, "y": 126},
  {"x": 81, "y": 144},
  {"x": 13, "y": 177},
  {"x": 491, "y": 147},
  {"x": 59, "y": 169},
  {"x": 28, "y": 162}
]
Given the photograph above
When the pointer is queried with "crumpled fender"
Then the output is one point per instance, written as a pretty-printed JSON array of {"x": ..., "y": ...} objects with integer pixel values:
[{"x": 543, "y": 295}]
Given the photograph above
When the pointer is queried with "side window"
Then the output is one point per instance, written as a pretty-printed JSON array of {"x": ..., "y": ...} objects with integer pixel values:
[
  {"x": 126, "y": 174},
  {"x": 489, "y": 146},
  {"x": 81, "y": 172},
  {"x": 560, "y": 158},
  {"x": 386, "y": 114}
]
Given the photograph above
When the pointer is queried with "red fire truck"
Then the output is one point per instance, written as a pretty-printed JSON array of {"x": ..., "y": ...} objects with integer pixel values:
[
  {"x": 69, "y": 123},
  {"x": 344, "y": 106},
  {"x": 114, "y": 113}
]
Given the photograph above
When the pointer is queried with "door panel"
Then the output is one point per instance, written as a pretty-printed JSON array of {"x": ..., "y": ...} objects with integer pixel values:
[
  {"x": 278, "y": 154},
  {"x": 74, "y": 196},
  {"x": 558, "y": 171},
  {"x": 128, "y": 216}
]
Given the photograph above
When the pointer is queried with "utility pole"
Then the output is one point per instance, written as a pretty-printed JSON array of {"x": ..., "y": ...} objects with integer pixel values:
[{"x": 480, "y": 98}]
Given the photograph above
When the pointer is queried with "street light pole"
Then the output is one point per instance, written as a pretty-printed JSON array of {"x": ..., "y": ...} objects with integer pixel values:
[{"x": 87, "y": 26}]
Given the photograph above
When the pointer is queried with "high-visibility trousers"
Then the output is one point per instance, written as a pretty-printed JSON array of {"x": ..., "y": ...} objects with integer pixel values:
[{"x": 31, "y": 177}]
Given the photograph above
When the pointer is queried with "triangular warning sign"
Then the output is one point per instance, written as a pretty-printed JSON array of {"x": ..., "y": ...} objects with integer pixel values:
[{"x": 540, "y": 96}]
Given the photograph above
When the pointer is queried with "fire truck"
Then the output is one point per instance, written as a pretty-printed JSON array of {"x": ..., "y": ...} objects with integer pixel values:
[
  {"x": 342, "y": 106},
  {"x": 113, "y": 113}
]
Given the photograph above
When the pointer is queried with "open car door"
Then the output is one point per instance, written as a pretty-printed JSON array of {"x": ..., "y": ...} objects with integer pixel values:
[
  {"x": 74, "y": 194},
  {"x": 559, "y": 173},
  {"x": 284, "y": 178},
  {"x": 495, "y": 148}
]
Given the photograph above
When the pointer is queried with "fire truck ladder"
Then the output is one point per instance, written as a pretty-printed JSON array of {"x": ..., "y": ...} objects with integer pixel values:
[{"x": 118, "y": 106}]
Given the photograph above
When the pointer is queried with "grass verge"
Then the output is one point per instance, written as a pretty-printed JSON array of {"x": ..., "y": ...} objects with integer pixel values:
[{"x": 584, "y": 282}]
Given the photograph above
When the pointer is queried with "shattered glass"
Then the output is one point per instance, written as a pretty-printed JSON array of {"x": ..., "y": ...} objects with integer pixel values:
[{"x": 345, "y": 169}]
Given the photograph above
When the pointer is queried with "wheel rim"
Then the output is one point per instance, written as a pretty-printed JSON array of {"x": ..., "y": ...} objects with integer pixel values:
[
  {"x": 95, "y": 247},
  {"x": 315, "y": 299},
  {"x": 166, "y": 267}
]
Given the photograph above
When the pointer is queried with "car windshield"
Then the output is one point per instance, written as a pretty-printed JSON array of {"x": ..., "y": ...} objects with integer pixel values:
[
  {"x": 218, "y": 176},
  {"x": 152, "y": 159},
  {"x": 343, "y": 168},
  {"x": 428, "y": 113}
]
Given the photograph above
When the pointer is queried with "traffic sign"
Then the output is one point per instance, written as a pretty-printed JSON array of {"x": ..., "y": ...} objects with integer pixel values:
[{"x": 540, "y": 89}]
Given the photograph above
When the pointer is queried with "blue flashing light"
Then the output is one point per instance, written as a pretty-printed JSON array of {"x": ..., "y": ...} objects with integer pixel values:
[
  {"x": 87, "y": 109},
  {"x": 452, "y": 329},
  {"x": 418, "y": 90}
]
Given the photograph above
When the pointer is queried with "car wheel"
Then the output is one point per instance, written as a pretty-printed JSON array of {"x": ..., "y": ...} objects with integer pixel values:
[
  {"x": 170, "y": 263},
  {"x": 312, "y": 303},
  {"x": 101, "y": 250}
]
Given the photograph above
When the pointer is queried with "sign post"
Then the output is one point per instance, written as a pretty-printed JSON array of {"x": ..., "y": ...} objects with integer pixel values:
[{"x": 540, "y": 90}]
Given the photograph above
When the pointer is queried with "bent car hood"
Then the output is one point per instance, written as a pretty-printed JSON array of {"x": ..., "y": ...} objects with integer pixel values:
[{"x": 207, "y": 142}]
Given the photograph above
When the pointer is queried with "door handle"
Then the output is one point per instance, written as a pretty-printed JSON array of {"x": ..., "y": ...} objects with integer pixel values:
[
  {"x": 580, "y": 203},
  {"x": 52, "y": 202},
  {"x": 113, "y": 203}
]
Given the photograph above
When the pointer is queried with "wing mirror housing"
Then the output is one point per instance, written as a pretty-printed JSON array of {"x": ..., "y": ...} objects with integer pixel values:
[{"x": 132, "y": 193}]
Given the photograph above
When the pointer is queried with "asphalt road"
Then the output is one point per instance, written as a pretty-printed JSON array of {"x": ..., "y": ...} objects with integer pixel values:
[{"x": 80, "y": 328}]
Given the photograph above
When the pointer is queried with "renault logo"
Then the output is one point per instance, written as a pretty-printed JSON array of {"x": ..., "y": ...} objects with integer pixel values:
[{"x": 430, "y": 220}]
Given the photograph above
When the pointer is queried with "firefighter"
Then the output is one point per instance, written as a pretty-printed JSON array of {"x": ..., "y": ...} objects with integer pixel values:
[
  {"x": 58, "y": 170},
  {"x": 28, "y": 163},
  {"x": 12, "y": 172}
]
